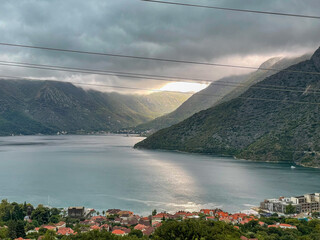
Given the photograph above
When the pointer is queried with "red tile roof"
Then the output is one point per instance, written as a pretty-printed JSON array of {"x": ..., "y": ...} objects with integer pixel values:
[
  {"x": 140, "y": 227},
  {"x": 49, "y": 227},
  {"x": 118, "y": 232},
  {"x": 95, "y": 227},
  {"x": 65, "y": 231}
]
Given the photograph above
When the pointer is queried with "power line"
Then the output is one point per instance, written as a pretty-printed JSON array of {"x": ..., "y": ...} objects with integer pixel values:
[
  {"x": 142, "y": 76},
  {"x": 155, "y": 59},
  {"x": 235, "y": 9},
  {"x": 157, "y": 90}
]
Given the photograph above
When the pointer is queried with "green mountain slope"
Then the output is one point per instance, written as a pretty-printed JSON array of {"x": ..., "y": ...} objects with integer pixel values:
[
  {"x": 222, "y": 90},
  {"x": 248, "y": 127},
  {"x": 30, "y": 107}
]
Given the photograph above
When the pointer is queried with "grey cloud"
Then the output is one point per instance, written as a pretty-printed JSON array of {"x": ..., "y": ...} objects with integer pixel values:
[{"x": 147, "y": 29}]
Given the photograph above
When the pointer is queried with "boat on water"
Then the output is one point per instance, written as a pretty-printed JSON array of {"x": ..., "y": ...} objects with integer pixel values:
[{"x": 292, "y": 167}]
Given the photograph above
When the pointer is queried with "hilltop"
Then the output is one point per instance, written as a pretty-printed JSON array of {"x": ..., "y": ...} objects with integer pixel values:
[
  {"x": 48, "y": 107},
  {"x": 220, "y": 91},
  {"x": 282, "y": 129}
]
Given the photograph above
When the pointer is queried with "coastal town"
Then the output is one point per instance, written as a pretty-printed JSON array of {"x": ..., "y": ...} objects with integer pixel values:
[{"x": 282, "y": 213}]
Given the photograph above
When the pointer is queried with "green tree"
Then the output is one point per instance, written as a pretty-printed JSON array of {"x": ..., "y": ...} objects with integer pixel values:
[
  {"x": 54, "y": 219},
  {"x": 50, "y": 235},
  {"x": 290, "y": 209},
  {"x": 136, "y": 233},
  {"x": 20, "y": 229},
  {"x": 154, "y": 212},
  {"x": 4, "y": 233},
  {"x": 12, "y": 229},
  {"x": 41, "y": 214}
]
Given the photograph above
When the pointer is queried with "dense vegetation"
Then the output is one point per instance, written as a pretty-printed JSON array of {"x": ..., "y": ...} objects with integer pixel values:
[
  {"x": 31, "y": 107},
  {"x": 249, "y": 127},
  {"x": 219, "y": 91},
  {"x": 12, "y": 215}
]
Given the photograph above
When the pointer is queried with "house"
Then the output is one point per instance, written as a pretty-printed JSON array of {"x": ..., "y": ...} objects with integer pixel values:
[
  {"x": 287, "y": 226},
  {"x": 60, "y": 225},
  {"x": 105, "y": 227},
  {"x": 156, "y": 224},
  {"x": 95, "y": 227},
  {"x": 273, "y": 225},
  {"x": 98, "y": 219},
  {"x": 125, "y": 213},
  {"x": 112, "y": 212},
  {"x": 76, "y": 212},
  {"x": 117, "y": 220},
  {"x": 282, "y": 225},
  {"x": 52, "y": 228},
  {"x": 119, "y": 232},
  {"x": 161, "y": 216},
  {"x": 140, "y": 227},
  {"x": 210, "y": 212},
  {"x": 148, "y": 231},
  {"x": 65, "y": 231}
]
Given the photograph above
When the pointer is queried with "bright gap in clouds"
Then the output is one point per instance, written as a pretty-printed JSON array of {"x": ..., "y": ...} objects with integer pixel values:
[{"x": 184, "y": 87}]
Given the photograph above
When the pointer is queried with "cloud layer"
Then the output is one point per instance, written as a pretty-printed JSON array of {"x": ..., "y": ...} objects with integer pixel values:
[{"x": 135, "y": 27}]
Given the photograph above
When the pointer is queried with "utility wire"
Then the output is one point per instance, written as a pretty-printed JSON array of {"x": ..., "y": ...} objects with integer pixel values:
[
  {"x": 147, "y": 76},
  {"x": 158, "y": 90},
  {"x": 155, "y": 59},
  {"x": 234, "y": 9}
]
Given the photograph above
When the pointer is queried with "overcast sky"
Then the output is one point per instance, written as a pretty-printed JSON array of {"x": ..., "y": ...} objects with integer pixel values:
[{"x": 140, "y": 28}]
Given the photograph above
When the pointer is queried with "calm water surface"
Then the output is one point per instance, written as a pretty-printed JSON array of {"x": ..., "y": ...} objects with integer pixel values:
[{"x": 104, "y": 172}]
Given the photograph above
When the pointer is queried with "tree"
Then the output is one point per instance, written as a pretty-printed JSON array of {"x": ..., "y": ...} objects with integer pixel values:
[
  {"x": 50, "y": 235},
  {"x": 136, "y": 233},
  {"x": 41, "y": 214},
  {"x": 290, "y": 209},
  {"x": 12, "y": 226},
  {"x": 154, "y": 212},
  {"x": 4, "y": 233},
  {"x": 20, "y": 229},
  {"x": 54, "y": 219}
]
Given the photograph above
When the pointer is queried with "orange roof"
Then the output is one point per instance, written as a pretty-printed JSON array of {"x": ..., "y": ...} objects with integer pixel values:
[
  {"x": 104, "y": 226},
  {"x": 65, "y": 231},
  {"x": 222, "y": 214},
  {"x": 60, "y": 224},
  {"x": 207, "y": 211},
  {"x": 275, "y": 226},
  {"x": 161, "y": 215},
  {"x": 118, "y": 232},
  {"x": 140, "y": 227},
  {"x": 156, "y": 224},
  {"x": 287, "y": 225},
  {"x": 95, "y": 227},
  {"x": 181, "y": 213},
  {"x": 49, "y": 227},
  {"x": 95, "y": 218}
]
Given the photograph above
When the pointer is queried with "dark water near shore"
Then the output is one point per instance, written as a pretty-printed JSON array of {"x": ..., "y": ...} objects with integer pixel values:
[{"x": 104, "y": 172}]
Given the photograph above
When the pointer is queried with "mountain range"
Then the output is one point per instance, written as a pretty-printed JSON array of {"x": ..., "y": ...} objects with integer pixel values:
[
  {"x": 219, "y": 91},
  {"x": 48, "y": 107},
  {"x": 276, "y": 119}
]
